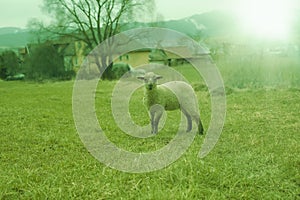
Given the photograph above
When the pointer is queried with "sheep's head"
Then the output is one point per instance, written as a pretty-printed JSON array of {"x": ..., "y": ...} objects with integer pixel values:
[{"x": 150, "y": 80}]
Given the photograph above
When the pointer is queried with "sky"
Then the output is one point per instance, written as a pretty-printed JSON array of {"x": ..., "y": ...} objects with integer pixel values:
[{"x": 17, "y": 13}]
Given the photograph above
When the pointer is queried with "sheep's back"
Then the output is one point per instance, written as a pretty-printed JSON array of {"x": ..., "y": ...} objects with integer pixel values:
[
  {"x": 184, "y": 93},
  {"x": 167, "y": 98}
]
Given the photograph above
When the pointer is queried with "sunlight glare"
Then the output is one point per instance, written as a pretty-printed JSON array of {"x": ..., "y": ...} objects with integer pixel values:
[{"x": 266, "y": 18}]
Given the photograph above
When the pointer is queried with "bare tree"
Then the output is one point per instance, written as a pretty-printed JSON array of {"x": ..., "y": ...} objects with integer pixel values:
[{"x": 94, "y": 21}]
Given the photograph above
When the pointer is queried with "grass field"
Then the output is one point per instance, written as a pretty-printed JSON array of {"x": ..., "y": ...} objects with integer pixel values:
[{"x": 257, "y": 156}]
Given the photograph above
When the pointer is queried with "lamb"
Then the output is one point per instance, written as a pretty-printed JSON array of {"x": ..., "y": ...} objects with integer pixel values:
[
  {"x": 120, "y": 68},
  {"x": 170, "y": 96},
  {"x": 137, "y": 72}
]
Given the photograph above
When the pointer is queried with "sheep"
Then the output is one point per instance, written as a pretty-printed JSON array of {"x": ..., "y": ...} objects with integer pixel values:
[
  {"x": 119, "y": 69},
  {"x": 137, "y": 72},
  {"x": 170, "y": 96}
]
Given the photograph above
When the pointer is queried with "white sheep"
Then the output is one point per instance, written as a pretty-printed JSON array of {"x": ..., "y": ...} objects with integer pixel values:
[
  {"x": 170, "y": 96},
  {"x": 137, "y": 72},
  {"x": 120, "y": 68}
]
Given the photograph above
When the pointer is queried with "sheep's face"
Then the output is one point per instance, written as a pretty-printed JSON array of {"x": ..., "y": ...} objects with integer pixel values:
[{"x": 150, "y": 80}]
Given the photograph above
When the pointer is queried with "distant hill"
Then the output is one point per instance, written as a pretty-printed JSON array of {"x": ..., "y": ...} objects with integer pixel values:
[
  {"x": 217, "y": 22},
  {"x": 12, "y": 37},
  {"x": 209, "y": 24},
  {"x": 9, "y": 30},
  {"x": 206, "y": 24}
]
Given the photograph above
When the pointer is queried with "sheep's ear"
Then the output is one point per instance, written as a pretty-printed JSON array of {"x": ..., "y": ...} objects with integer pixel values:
[
  {"x": 141, "y": 77},
  {"x": 158, "y": 77}
]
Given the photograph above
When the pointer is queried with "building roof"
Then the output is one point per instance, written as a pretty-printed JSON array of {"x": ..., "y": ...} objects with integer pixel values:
[
  {"x": 177, "y": 52},
  {"x": 185, "y": 52}
]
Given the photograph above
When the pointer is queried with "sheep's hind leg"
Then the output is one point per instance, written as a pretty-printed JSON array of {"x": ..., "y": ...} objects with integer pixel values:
[
  {"x": 200, "y": 126},
  {"x": 157, "y": 118},
  {"x": 189, "y": 120}
]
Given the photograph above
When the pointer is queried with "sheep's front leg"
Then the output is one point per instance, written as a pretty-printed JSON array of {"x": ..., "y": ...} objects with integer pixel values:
[{"x": 156, "y": 112}]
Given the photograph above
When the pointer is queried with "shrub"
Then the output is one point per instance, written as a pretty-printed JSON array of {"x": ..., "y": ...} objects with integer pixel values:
[
  {"x": 116, "y": 71},
  {"x": 9, "y": 64},
  {"x": 44, "y": 62}
]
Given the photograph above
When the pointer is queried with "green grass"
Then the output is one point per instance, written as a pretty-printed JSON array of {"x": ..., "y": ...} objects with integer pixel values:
[
  {"x": 257, "y": 156},
  {"x": 255, "y": 71},
  {"x": 42, "y": 157}
]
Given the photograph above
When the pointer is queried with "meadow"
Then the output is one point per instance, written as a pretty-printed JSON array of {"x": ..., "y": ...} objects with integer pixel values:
[{"x": 256, "y": 157}]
